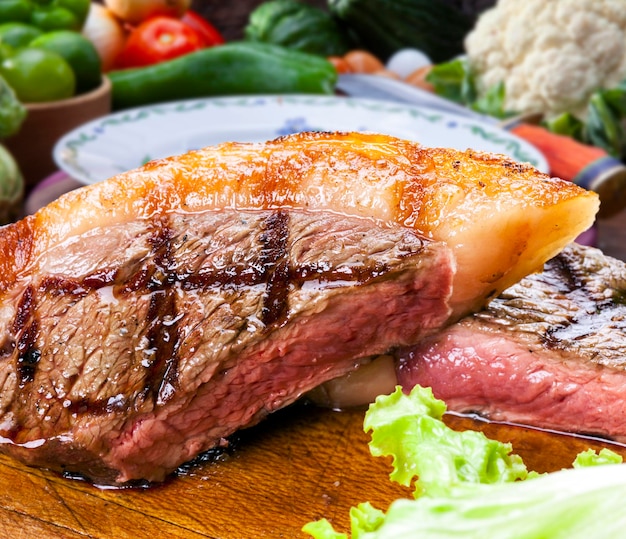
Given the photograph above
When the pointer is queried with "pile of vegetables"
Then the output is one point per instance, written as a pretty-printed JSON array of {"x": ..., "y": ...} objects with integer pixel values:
[
  {"x": 136, "y": 33},
  {"x": 467, "y": 485},
  {"x": 381, "y": 27},
  {"x": 564, "y": 61},
  {"x": 160, "y": 50},
  {"x": 561, "y": 61},
  {"x": 43, "y": 55},
  {"x": 601, "y": 122}
]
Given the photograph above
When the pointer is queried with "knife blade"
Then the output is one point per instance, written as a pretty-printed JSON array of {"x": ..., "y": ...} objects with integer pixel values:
[
  {"x": 587, "y": 166},
  {"x": 388, "y": 89}
]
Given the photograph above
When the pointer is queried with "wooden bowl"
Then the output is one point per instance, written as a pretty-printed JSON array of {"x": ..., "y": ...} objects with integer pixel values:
[{"x": 46, "y": 122}]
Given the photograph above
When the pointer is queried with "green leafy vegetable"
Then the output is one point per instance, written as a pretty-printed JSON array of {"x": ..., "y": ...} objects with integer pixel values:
[
  {"x": 603, "y": 125},
  {"x": 590, "y": 458},
  {"x": 299, "y": 26},
  {"x": 11, "y": 187},
  {"x": 469, "y": 486},
  {"x": 566, "y": 124},
  {"x": 454, "y": 80},
  {"x": 425, "y": 449},
  {"x": 492, "y": 103}
]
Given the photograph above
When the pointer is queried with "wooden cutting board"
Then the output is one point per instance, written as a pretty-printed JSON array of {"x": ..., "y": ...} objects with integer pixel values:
[{"x": 302, "y": 464}]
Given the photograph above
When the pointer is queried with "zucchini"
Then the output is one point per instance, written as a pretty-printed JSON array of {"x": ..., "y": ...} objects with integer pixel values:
[
  {"x": 386, "y": 26},
  {"x": 235, "y": 68},
  {"x": 298, "y": 26}
]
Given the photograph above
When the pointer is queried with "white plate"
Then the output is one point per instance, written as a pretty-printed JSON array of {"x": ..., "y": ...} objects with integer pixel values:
[{"x": 125, "y": 140}]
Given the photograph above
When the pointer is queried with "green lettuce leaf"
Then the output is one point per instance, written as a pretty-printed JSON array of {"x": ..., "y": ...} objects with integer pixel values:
[
  {"x": 410, "y": 429},
  {"x": 469, "y": 486},
  {"x": 569, "y": 504},
  {"x": 591, "y": 458}
]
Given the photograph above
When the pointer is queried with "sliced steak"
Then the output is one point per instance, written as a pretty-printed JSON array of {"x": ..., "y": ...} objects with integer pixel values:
[
  {"x": 141, "y": 344},
  {"x": 550, "y": 352}
]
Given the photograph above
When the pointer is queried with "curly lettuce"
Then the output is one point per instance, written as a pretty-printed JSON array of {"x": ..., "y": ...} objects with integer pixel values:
[{"x": 466, "y": 485}]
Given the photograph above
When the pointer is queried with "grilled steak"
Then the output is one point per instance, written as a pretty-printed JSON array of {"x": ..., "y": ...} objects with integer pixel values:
[
  {"x": 145, "y": 318},
  {"x": 143, "y": 344},
  {"x": 549, "y": 352}
]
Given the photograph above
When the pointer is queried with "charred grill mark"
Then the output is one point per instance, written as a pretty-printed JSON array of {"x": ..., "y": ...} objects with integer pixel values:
[
  {"x": 274, "y": 265},
  {"x": 25, "y": 325},
  {"x": 566, "y": 279},
  {"x": 97, "y": 406},
  {"x": 593, "y": 314},
  {"x": 27, "y": 365},
  {"x": 137, "y": 282},
  {"x": 59, "y": 286},
  {"x": 241, "y": 276},
  {"x": 161, "y": 352},
  {"x": 24, "y": 310},
  {"x": 101, "y": 278},
  {"x": 327, "y": 273},
  {"x": 562, "y": 277},
  {"x": 237, "y": 276},
  {"x": 7, "y": 349}
]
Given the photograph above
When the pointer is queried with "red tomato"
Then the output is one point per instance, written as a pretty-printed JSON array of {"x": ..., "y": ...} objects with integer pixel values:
[
  {"x": 156, "y": 40},
  {"x": 204, "y": 28}
]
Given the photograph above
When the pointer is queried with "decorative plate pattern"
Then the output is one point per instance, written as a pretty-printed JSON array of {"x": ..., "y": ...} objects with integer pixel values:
[{"x": 125, "y": 140}]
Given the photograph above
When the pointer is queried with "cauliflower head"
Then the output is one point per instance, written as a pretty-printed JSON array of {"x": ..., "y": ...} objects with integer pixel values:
[{"x": 551, "y": 55}]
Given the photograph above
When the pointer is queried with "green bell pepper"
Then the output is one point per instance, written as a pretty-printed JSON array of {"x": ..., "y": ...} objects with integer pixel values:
[{"x": 46, "y": 14}]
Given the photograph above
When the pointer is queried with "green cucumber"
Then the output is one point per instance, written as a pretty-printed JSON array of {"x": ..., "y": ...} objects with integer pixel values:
[
  {"x": 386, "y": 26},
  {"x": 234, "y": 68}
]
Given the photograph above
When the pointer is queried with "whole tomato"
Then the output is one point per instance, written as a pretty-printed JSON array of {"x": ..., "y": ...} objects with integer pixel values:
[{"x": 156, "y": 40}]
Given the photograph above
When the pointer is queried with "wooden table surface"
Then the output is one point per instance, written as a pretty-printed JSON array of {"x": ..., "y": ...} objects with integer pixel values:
[{"x": 302, "y": 464}]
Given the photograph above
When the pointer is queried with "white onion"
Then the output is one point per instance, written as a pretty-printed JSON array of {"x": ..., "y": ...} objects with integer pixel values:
[
  {"x": 107, "y": 34},
  {"x": 135, "y": 11},
  {"x": 406, "y": 61}
]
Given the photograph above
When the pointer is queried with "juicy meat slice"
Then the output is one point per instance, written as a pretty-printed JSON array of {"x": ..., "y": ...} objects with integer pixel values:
[
  {"x": 146, "y": 317},
  {"x": 549, "y": 352},
  {"x": 136, "y": 346},
  {"x": 502, "y": 219}
]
